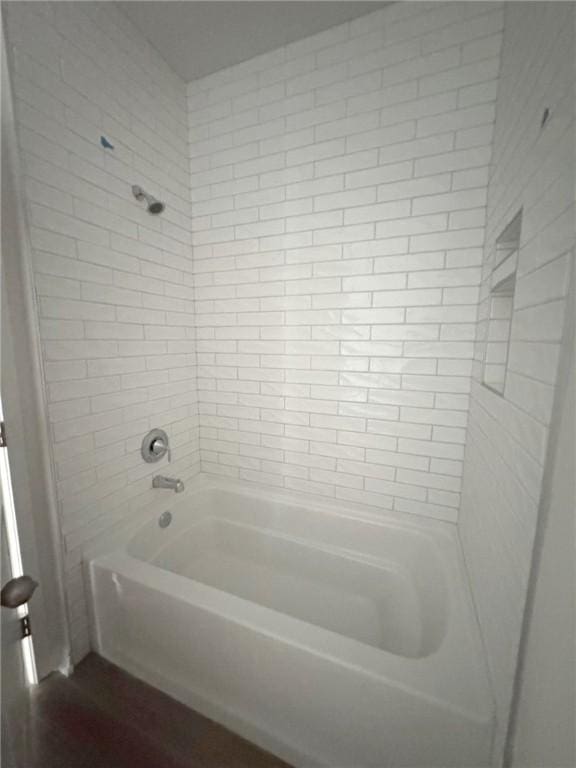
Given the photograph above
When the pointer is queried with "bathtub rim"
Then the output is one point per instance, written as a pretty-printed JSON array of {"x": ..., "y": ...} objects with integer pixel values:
[{"x": 121, "y": 533}]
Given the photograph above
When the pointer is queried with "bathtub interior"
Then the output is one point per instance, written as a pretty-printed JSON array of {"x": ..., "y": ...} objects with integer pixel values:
[{"x": 382, "y": 585}]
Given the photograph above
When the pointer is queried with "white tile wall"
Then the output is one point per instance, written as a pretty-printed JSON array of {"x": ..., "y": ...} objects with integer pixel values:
[
  {"x": 114, "y": 284},
  {"x": 338, "y": 197},
  {"x": 533, "y": 169}
]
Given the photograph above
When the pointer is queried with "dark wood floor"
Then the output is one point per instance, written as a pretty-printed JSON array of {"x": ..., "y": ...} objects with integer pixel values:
[{"x": 101, "y": 717}]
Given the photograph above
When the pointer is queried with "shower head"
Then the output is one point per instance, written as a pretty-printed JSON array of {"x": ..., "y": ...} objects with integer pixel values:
[{"x": 152, "y": 204}]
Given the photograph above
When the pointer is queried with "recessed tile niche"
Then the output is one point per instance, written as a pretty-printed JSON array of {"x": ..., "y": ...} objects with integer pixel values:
[{"x": 502, "y": 286}]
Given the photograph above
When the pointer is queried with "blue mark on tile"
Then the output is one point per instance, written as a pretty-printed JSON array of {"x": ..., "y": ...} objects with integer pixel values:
[{"x": 105, "y": 143}]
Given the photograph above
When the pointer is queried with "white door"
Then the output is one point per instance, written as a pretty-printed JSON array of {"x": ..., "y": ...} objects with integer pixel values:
[
  {"x": 13, "y": 672},
  {"x": 18, "y": 666}
]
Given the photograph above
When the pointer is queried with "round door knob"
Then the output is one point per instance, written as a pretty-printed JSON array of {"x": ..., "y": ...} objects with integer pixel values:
[{"x": 17, "y": 591}]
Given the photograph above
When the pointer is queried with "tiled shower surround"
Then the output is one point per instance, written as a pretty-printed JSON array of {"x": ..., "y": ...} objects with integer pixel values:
[
  {"x": 338, "y": 201},
  {"x": 333, "y": 249},
  {"x": 304, "y": 313}
]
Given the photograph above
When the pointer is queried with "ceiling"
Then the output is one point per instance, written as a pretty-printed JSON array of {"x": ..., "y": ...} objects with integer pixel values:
[{"x": 198, "y": 38}]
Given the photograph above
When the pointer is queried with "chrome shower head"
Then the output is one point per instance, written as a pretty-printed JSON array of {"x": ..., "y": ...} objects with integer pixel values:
[{"x": 152, "y": 204}]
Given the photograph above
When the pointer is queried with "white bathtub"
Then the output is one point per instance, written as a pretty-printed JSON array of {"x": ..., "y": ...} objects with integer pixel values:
[{"x": 323, "y": 635}]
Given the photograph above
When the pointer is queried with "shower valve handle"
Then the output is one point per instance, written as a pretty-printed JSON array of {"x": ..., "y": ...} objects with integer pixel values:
[{"x": 158, "y": 447}]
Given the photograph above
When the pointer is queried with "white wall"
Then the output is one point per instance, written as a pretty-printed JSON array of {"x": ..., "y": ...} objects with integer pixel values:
[
  {"x": 339, "y": 191},
  {"x": 532, "y": 169},
  {"x": 113, "y": 284}
]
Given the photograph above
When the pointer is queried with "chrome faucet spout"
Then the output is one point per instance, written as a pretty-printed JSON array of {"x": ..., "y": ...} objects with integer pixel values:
[{"x": 171, "y": 483}]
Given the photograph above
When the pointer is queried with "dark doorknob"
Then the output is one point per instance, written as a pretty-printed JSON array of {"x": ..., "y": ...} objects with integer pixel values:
[{"x": 17, "y": 591}]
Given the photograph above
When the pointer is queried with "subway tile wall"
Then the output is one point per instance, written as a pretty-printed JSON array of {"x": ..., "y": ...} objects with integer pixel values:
[
  {"x": 114, "y": 285},
  {"x": 338, "y": 198},
  {"x": 533, "y": 171}
]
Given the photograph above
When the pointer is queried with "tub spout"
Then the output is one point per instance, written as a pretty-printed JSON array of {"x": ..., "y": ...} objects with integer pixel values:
[{"x": 172, "y": 483}]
